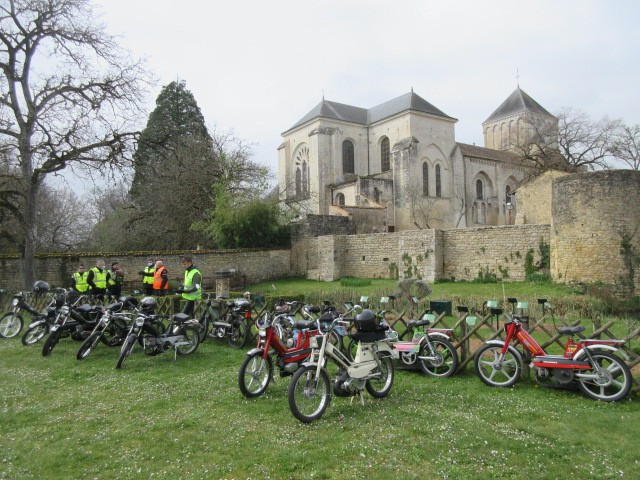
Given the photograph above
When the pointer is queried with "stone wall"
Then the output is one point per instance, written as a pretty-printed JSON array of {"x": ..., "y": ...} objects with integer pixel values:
[
  {"x": 534, "y": 198},
  {"x": 592, "y": 212},
  {"x": 252, "y": 265}
]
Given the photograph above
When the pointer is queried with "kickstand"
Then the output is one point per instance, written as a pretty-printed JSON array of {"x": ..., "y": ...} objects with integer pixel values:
[
  {"x": 175, "y": 352},
  {"x": 359, "y": 394}
]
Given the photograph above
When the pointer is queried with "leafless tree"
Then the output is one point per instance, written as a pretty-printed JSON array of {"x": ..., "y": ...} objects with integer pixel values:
[
  {"x": 626, "y": 146},
  {"x": 68, "y": 93},
  {"x": 423, "y": 209}
]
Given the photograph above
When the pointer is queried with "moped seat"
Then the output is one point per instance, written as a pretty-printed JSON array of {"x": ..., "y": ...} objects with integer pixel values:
[
  {"x": 417, "y": 323},
  {"x": 180, "y": 317},
  {"x": 570, "y": 330},
  {"x": 314, "y": 309},
  {"x": 304, "y": 324}
]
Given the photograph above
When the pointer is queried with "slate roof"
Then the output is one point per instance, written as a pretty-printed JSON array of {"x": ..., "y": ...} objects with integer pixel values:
[
  {"x": 518, "y": 101},
  {"x": 363, "y": 116},
  {"x": 487, "y": 153}
]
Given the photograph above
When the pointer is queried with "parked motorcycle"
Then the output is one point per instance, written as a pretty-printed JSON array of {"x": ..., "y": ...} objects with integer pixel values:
[
  {"x": 309, "y": 392},
  {"x": 42, "y": 323},
  {"x": 11, "y": 323},
  {"x": 112, "y": 328},
  {"x": 182, "y": 335},
  {"x": 592, "y": 364},
  {"x": 257, "y": 368},
  {"x": 226, "y": 318}
]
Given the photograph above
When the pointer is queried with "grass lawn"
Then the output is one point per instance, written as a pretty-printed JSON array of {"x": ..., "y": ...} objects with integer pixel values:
[{"x": 158, "y": 418}]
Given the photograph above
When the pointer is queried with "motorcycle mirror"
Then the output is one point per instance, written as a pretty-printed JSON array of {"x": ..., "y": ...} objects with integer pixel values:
[{"x": 357, "y": 308}]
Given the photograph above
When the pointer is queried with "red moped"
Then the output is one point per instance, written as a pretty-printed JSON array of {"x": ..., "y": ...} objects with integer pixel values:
[
  {"x": 591, "y": 363},
  {"x": 257, "y": 368}
]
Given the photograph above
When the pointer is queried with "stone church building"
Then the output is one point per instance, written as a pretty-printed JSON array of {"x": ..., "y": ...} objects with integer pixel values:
[{"x": 397, "y": 166}]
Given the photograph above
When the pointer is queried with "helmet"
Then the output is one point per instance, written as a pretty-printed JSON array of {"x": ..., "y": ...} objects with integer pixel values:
[
  {"x": 148, "y": 304},
  {"x": 41, "y": 286},
  {"x": 366, "y": 321}
]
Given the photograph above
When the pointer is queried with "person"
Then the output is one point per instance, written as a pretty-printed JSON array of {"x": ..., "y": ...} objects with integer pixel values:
[
  {"x": 79, "y": 280},
  {"x": 97, "y": 279},
  {"x": 191, "y": 290},
  {"x": 115, "y": 282},
  {"x": 160, "y": 279},
  {"x": 147, "y": 277}
]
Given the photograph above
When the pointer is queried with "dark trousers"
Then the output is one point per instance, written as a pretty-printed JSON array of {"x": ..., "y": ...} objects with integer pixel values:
[
  {"x": 148, "y": 289},
  {"x": 189, "y": 307}
]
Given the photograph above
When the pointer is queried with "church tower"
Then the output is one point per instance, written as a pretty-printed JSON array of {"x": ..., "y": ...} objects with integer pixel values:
[{"x": 519, "y": 119}]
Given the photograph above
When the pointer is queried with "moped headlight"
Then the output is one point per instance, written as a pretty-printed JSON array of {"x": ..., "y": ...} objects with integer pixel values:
[
  {"x": 262, "y": 332},
  {"x": 139, "y": 321},
  {"x": 14, "y": 302}
]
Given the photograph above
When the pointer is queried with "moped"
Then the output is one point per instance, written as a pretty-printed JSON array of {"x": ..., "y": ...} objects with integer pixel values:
[
  {"x": 257, "y": 368},
  {"x": 591, "y": 363},
  {"x": 11, "y": 322},
  {"x": 309, "y": 392},
  {"x": 226, "y": 318}
]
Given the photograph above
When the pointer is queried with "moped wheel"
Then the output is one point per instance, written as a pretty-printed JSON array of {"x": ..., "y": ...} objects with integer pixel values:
[
  {"x": 335, "y": 340},
  {"x": 10, "y": 325},
  {"x": 610, "y": 383},
  {"x": 35, "y": 334},
  {"x": 88, "y": 345},
  {"x": 204, "y": 327},
  {"x": 51, "y": 342},
  {"x": 495, "y": 373},
  {"x": 192, "y": 338},
  {"x": 445, "y": 362},
  {"x": 380, "y": 386},
  {"x": 254, "y": 375},
  {"x": 238, "y": 336},
  {"x": 309, "y": 395},
  {"x": 125, "y": 351}
]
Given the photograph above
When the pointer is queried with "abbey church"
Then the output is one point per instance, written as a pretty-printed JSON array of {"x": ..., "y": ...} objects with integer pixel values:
[{"x": 397, "y": 166}]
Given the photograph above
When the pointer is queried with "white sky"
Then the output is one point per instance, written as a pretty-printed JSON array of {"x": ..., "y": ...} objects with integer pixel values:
[{"x": 258, "y": 66}]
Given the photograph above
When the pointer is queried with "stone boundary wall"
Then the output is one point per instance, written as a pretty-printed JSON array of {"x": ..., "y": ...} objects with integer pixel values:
[
  {"x": 500, "y": 250},
  {"x": 253, "y": 265}
]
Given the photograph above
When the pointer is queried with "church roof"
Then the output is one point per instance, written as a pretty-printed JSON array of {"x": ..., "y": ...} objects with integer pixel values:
[
  {"x": 518, "y": 101},
  {"x": 487, "y": 153},
  {"x": 363, "y": 116}
]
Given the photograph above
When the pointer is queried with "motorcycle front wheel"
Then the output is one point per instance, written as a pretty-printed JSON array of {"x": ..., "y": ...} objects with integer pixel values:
[
  {"x": 497, "y": 373},
  {"x": 127, "y": 348},
  {"x": 10, "y": 325},
  {"x": 191, "y": 341},
  {"x": 238, "y": 336},
  {"x": 88, "y": 345},
  {"x": 380, "y": 385},
  {"x": 254, "y": 375},
  {"x": 309, "y": 394},
  {"x": 443, "y": 361},
  {"x": 610, "y": 382},
  {"x": 51, "y": 342},
  {"x": 35, "y": 334}
]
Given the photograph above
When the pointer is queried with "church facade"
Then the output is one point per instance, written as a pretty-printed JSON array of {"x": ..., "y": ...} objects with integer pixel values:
[{"x": 397, "y": 166}]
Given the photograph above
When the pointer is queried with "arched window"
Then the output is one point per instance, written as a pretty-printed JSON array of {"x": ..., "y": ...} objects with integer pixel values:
[
  {"x": 438, "y": 182},
  {"x": 385, "y": 154},
  {"x": 507, "y": 195},
  {"x": 425, "y": 179},
  {"x": 305, "y": 177},
  {"x": 301, "y": 160},
  {"x": 348, "y": 157},
  {"x": 479, "y": 190},
  {"x": 340, "y": 199}
]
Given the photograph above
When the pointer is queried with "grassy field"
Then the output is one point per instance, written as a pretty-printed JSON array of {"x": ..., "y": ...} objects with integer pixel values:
[{"x": 160, "y": 418}]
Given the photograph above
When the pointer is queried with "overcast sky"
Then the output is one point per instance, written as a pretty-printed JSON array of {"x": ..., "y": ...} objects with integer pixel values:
[{"x": 257, "y": 67}]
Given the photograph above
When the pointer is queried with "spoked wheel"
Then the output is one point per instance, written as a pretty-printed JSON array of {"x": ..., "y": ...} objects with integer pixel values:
[
  {"x": 495, "y": 372},
  {"x": 204, "y": 327},
  {"x": 127, "y": 348},
  {"x": 309, "y": 395},
  {"x": 88, "y": 345},
  {"x": 190, "y": 342},
  {"x": 238, "y": 336},
  {"x": 442, "y": 361},
  {"x": 379, "y": 386},
  {"x": 254, "y": 375},
  {"x": 610, "y": 382},
  {"x": 51, "y": 342},
  {"x": 10, "y": 325},
  {"x": 35, "y": 333}
]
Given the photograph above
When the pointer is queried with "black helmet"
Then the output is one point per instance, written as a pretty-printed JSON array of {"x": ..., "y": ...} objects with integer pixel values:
[
  {"x": 148, "y": 304},
  {"x": 41, "y": 286},
  {"x": 366, "y": 321}
]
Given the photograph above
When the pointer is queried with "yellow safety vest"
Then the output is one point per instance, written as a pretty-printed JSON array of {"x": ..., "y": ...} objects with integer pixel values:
[
  {"x": 188, "y": 282},
  {"x": 99, "y": 278},
  {"x": 147, "y": 279},
  {"x": 80, "y": 280}
]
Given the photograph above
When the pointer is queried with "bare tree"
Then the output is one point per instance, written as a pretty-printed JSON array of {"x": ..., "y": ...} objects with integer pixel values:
[
  {"x": 423, "y": 209},
  {"x": 626, "y": 146},
  {"x": 67, "y": 95}
]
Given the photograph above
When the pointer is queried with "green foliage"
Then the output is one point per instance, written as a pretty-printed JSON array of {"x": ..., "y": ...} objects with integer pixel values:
[
  {"x": 485, "y": 276},
  {"x": 393, "y": 270},
  {"x": 256, "y": 223},
  {"x": 529, "y": 267},
  {"x": 504, "y": 271}
]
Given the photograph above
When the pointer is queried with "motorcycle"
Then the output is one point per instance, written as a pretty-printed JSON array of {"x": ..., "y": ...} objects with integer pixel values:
[
  {"x": 112, "y": 328},
  {"x": 257, "y": 368},
  {"x": 72, "y": 321},
  {"x": 592, "y": 364},
  {"x": 228, "y": 319},
  {"x": 11, "y": 323},
  {"x": 309, "y": 392},
  {"x": 42, "y": 323},
  {"x": 182, "y": 334}
]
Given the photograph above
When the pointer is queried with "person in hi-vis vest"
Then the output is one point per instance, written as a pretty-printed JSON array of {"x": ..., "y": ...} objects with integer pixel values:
[{"x": 191, "y": 289}]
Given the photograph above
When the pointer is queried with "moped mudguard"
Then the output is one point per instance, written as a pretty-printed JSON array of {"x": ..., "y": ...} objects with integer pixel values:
[
  {"x": 438, "y": 335},
  {"x": 514, "y": 351},
  {"x": 254, "y": 351},
  {"x": 597, "y": 347},
  {"x": 36, "y": 323}
]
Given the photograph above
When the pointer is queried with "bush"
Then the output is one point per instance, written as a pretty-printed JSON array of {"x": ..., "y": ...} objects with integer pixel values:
[{"x": 354, "y": 282}]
